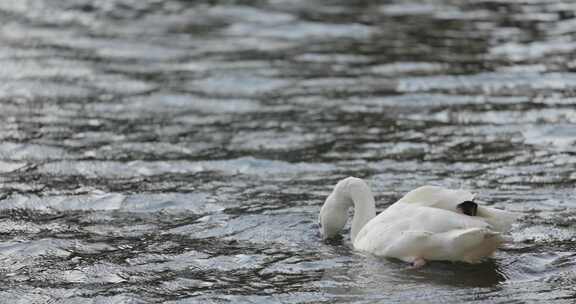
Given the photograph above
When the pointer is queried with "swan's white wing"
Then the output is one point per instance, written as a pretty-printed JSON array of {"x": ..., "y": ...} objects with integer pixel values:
[
  {"x": 411, "y": 232},
  {"x": 437, "y": 197},
  {"x": 406, "y": 246},
  {"x": 418, "y": 218},
  {"x": 435, "y": 219},
  {"x": 427, "y": 224},
  {"x": 469, "y": 245},
  {"x": 389, "y": 225},
  {"x": 448, "y": 199}
]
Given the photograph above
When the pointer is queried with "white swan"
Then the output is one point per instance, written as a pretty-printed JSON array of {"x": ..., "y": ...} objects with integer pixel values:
[{"x": 428, "y": 223}]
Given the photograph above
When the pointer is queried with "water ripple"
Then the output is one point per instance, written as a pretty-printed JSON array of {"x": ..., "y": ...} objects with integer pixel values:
[{"x": 178, "y": 151}]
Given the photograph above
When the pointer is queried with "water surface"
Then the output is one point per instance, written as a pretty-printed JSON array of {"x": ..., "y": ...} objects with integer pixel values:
[{"x": 178, "y": 151}]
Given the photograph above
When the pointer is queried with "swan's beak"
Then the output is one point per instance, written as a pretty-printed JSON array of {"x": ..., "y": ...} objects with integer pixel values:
[{"x": 325, "y": 235}]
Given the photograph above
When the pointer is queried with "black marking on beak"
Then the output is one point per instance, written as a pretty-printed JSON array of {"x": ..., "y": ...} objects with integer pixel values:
[{"x": 468, "y": 207}]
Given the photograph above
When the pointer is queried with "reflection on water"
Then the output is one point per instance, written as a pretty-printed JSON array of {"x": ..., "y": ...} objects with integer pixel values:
[{"x": 178, "y": 151}]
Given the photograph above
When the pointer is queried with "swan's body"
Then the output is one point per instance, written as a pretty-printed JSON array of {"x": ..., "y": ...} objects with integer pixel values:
[{"x": 426, "y": 224}]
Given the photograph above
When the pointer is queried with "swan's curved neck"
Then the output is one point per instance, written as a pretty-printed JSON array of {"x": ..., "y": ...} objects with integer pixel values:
[{"x": 347, "y": 193}]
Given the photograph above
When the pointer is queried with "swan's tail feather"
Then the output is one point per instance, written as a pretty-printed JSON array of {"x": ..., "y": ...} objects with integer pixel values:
[
  {"x": 471, "y": 237},
  {"x": 477, "y": 243}
]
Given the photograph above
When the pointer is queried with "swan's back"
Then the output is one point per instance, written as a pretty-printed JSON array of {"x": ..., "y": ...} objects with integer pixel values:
[
  {"x": 437, "y": 197},
  {"x": 426, "y": 224},
  {"x": 450, "y": 199}
]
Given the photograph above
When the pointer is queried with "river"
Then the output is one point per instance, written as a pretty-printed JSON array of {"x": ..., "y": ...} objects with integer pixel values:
[{"x": 172, "y": 151}]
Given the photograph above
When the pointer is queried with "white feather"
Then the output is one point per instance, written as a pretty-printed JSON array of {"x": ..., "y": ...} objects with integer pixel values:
[{"x": 425, "y": 224}]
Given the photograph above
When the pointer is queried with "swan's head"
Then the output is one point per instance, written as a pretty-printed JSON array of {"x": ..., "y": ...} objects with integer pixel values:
[
  {"x": 349, "y": 192},
  {"x": 331, "y": 219},
  {"x": 434, "y": 196}
]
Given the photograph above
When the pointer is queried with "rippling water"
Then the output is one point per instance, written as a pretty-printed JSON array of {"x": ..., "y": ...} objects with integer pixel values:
[{"x": 172, "y": 151}]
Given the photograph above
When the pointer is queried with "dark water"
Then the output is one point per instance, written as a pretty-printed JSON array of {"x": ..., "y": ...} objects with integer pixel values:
[{"x": 165, "y": 151}]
